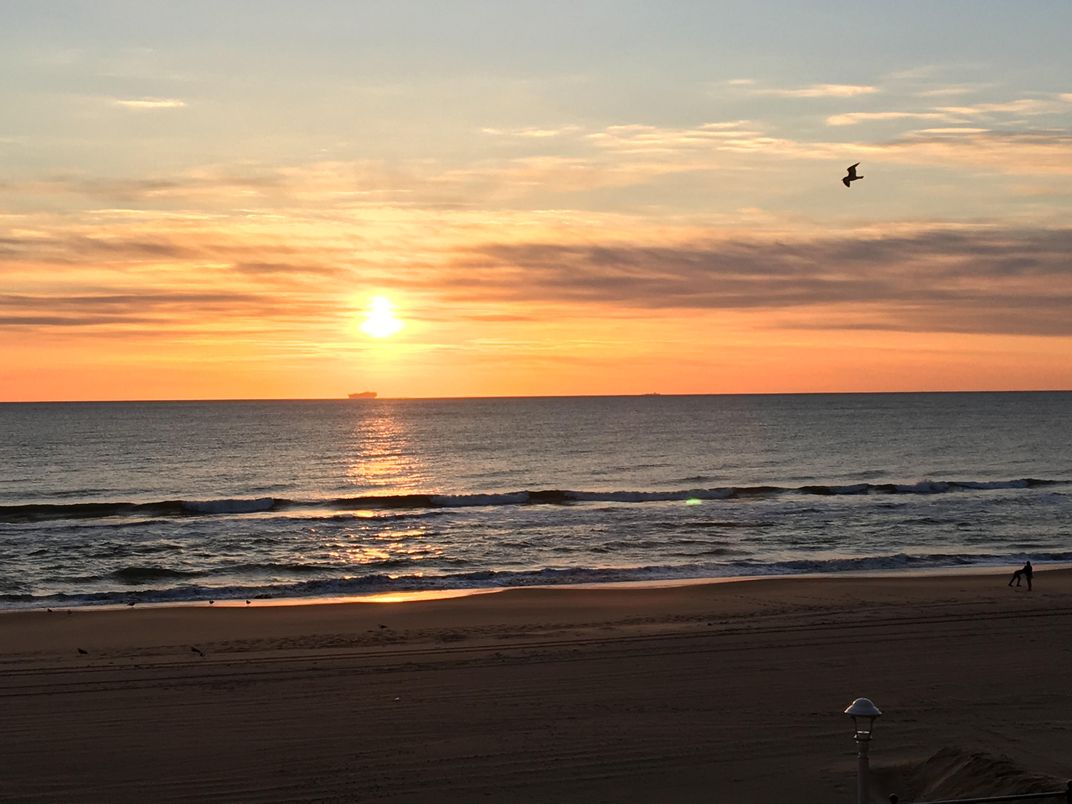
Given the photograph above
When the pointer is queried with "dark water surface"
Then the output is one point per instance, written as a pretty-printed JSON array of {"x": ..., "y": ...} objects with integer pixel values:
[{"x": 101, "y": 502}]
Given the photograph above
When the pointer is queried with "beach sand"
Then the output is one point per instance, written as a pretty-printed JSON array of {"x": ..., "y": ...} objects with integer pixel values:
[{"x": 728, "y": 692}]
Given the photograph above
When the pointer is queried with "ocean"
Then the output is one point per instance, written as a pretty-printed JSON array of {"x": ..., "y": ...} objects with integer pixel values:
[{"x": 186, "y": 501}]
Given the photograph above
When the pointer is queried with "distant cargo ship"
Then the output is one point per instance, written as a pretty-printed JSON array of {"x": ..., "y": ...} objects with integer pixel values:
[{"x": 364, "y": 395}]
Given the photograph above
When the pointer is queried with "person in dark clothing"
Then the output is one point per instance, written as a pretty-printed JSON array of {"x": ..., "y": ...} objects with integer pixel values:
[{"x": 1025, "y": 573}]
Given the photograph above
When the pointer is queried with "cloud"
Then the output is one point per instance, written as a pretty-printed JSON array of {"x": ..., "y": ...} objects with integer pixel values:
[
  {"x": 145, "y": 275},
  {"x": 853, "y": 118},
  {"x": 821, "y": 91},
  {"x": 41, "y": 321},
  {"x": 149, "y": 103},
  {"x": 290, "y": 270},
  {"x": 154, "y": 310},
  {"x": 563, "y": 160},
  {"x": 639, "y": 138},
  {"x": 1023, "y": 106},
  {"x": 960, "y": 130},
  {"x": 1029, "y": 107},
  {"x": 977, "y": 280},
  {"x": 752, "y": 87},
  {"x": 530, "y": 133},
  {"x": 120, "y": 302},
  {"x": 1026, "y": 153},
  {"x": 946, "y": 91}
]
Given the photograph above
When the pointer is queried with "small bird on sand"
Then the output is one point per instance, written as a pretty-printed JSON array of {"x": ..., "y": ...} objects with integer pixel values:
[
  {"x": 49, "y": 610},
  {"x": 851, "y": 177},
  {"x": 211, "y": 602},
  {"x": 382, "y": 625},
  {"x": 83, "y": 651},
  {"x": 132, "y": 603},
  {"x": 247, "y": 602},
  {"x": 196, "y": 650}
]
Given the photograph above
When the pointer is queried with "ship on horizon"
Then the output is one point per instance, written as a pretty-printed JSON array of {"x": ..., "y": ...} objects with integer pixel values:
[{"x": 363, "y": 395}]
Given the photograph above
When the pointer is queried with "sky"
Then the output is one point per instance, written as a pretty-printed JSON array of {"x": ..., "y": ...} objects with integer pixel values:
[{"x": 266, "y": 199}]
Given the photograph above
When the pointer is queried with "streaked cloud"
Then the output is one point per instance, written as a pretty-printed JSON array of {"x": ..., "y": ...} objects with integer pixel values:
[
  {"x": 628, "y": 155},
  {"x": 1024, "y": 107},
  {"x": 946, "y": 91},
  {"x": 752, "y": 87},
  {"x": 1035, "y": 153},
  {"x": 972, "y": 279},
  {"x": 530, "y": 133},
  {"x": 137, "y": 312},
  {"x": 1021, "y": 106},
  {"x": 852, "y": 118},
  {"x": 820, "y": 91},
  {"x": 295, "y": 269},
  {"x": 640, "y": 138},
  {"x": 149, "y": 103},
  {"x": 961, "y": 130}
]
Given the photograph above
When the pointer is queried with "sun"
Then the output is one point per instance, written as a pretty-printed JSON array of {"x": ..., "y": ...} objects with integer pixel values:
[{"x": 380, "y": 321}]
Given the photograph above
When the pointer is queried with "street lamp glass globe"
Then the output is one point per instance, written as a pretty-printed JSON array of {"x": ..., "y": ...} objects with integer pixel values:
[{"x": 863, "y": 713}]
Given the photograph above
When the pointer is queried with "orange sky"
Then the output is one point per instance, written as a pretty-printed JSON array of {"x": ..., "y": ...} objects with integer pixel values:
[{"x": 183, "y": 219}]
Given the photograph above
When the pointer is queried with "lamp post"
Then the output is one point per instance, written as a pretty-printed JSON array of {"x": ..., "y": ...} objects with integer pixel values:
[{"x": 863, "y": 713}]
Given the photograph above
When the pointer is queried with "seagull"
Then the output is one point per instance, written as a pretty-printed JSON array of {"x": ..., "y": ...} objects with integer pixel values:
[
  {"x": 196, "y": 650},
  {"x": 851, "y": 177},
  {"x": 83, "y": 651}
]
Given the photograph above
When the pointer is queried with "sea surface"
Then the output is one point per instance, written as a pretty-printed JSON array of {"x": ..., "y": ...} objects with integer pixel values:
[{"x": 185, "y": 501}]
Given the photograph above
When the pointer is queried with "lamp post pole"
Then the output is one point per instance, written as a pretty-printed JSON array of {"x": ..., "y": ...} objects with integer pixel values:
[
  {"x": 863, "y": 713},
  {"x": 863, "y": 770}
]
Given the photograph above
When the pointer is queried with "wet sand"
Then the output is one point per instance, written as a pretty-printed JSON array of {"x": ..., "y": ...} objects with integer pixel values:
[{"x": 721, "y": 692}]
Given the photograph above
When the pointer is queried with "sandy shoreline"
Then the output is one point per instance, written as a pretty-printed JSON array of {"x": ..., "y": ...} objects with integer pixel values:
[
  {"x": 440, "y": 594},
  {"x": 722, "y": 692}
]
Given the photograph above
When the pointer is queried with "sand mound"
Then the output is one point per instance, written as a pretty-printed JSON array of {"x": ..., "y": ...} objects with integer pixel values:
[{"x": 955, "y": 773}]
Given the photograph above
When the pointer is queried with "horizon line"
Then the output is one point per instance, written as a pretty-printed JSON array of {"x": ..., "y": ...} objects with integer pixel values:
[{"x": 526, "y": 396}]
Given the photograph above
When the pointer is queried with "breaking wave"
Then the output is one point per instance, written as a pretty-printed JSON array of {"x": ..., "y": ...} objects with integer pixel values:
[
  {"x": 381, "y": 582},
  {"x": 35, "y": 512}
]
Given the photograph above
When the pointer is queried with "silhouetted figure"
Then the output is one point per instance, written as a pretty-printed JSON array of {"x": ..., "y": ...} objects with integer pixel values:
[
  {"x": 851, "y": 177},
  {"x": 196, "y": 650},
  {"x": 83, "y": 651},
  {"x": 1025, "y": 573}
]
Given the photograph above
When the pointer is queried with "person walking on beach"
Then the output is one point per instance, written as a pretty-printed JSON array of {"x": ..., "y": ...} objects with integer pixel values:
[{"x": 1024, "y": 572}]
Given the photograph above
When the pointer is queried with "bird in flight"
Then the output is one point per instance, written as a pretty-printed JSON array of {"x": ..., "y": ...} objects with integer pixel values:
[{"x": 851, "y": 177}]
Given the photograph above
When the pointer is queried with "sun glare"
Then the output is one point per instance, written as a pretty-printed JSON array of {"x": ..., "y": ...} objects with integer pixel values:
[{"x": 380, "y": 321}]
